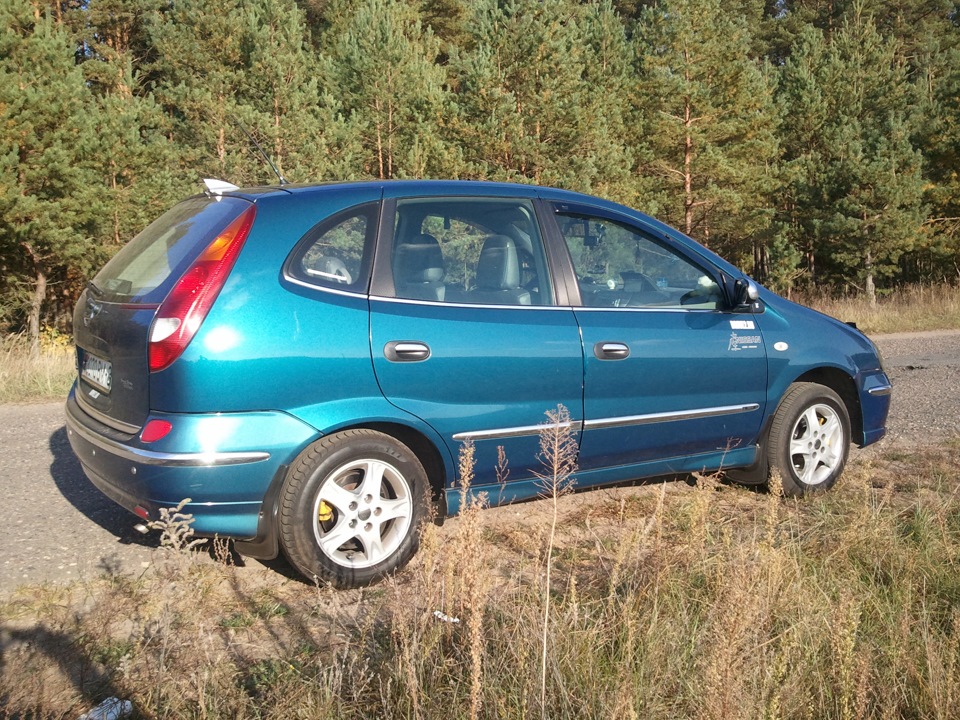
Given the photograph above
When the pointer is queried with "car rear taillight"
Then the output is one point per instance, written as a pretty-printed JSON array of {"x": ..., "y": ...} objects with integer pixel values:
[{"x": 188, "y": 303}]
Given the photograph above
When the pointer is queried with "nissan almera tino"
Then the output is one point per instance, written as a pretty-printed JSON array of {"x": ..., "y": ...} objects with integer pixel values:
[{"x": 304, "y": 363}]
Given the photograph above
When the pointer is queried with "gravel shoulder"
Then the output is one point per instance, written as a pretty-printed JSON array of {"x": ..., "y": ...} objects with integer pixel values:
[
  {"x": 56, "y": 527},
  {"x": 924, "y": 368}
]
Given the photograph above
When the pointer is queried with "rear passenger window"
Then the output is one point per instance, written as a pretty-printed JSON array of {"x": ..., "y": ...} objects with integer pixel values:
[
  {"x": 336, "y": 253},
  {"x": 482, "y": 251}
]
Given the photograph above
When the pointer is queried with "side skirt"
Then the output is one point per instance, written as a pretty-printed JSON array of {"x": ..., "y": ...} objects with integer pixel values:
[{"x": 531, "y": 488}]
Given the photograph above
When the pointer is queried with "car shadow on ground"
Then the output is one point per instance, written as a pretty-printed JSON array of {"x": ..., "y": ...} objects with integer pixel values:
[
  {"x": 65, "y": 651},
  {"x": 73, "y": 484},
  {"x": 77, "y": 489}
]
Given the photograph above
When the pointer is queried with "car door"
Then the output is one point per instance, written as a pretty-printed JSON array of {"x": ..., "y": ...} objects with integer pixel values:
[
  {"x": 670, "y": 372},
  {"x": 466, "y": 333}
]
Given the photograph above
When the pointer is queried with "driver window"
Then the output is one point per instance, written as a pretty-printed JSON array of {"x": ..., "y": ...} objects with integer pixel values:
[{"x": 618, "y": 266}]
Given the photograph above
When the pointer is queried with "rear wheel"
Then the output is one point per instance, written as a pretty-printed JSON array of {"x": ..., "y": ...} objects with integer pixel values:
[
  {"x": 351, "y": 508},
  {"x": 809, "y": 439}
]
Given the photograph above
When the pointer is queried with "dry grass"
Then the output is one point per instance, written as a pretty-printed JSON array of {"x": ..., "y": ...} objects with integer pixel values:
[
  {"x": 668, "y": 600},
  {"x": 910, "y": 308},
  {"x": 28, "y": 377}
]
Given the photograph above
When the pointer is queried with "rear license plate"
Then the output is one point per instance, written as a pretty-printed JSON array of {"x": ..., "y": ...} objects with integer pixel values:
[{"x": 97, "y": 372}]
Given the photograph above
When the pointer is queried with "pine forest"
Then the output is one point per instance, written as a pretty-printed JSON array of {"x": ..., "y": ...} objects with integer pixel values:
[{"x": 815, "y": 143}]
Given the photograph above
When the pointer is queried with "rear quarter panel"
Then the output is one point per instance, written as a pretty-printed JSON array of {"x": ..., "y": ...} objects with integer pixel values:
[{"x": 267, "y": 343}]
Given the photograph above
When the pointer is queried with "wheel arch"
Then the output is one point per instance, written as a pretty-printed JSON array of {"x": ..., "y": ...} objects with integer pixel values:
[
  {"x": 265, "y": 545},
  {"x": 843, "y": 385},
  {"x": 425, "y": 450}
]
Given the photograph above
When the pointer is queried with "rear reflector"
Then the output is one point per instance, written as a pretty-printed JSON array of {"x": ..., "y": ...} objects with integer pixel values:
[
  {"x": 155, "y": 430},
  {"x": 188, "y": 303}
]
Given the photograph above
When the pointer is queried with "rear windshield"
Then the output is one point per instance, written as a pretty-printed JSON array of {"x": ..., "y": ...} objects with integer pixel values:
[{"x": 147, "y": 267}]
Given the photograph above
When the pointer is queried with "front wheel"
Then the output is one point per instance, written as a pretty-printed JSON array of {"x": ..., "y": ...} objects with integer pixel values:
[
  {"x": 809, "y": 439},
  {"x": 351, "y": 508}
]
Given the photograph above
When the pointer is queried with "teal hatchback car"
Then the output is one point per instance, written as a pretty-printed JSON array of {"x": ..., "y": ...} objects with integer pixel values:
[{"x": 304, "y": 362}]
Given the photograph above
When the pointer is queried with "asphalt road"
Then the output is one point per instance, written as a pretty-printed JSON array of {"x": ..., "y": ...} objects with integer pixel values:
[{"x": 55, "y": 526}]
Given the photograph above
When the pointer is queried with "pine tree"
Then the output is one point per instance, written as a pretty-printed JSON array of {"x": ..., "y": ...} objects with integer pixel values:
[
  {"x": 381, "y": 64},
  {"x": 941, "y": 139},
  {"x": 447, "y": 20},
  {"x": 112, "y": 40},
  {"x": 136, "y": 159},
  {"x": 805, "y": 149},
  {"x": 198, "y": 74},
  {"x": 286, "y": 98},
  {"x": 49, "y": 207},
  {"x": 539, "y": 92},
  {"x": 711, "y": 123},
  {"x": 860, "y": 187}
]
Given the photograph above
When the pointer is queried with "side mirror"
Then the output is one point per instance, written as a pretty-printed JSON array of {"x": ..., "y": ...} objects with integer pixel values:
[{"x": 745, "y": 294}]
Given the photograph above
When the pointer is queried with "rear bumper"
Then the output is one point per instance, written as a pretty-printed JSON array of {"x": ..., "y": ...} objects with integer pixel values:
[{"x": 223, "y": 462}]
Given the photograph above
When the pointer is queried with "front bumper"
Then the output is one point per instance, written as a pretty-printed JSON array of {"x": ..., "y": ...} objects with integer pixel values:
[
  {"x": 223, "y": 462},
  {"x": 875, "y": 397}
]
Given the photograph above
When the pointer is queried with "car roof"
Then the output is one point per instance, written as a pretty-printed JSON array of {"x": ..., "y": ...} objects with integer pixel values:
[
  {"x": 406, "y": 187},
  {"x": 412, "y": 188}
]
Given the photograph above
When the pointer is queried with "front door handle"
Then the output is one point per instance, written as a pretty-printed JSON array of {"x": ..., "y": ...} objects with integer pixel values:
[
  {"x": 611, "y": 351},
  {"x": 406, "y": 351}
]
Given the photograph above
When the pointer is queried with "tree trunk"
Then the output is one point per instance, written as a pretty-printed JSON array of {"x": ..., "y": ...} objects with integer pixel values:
[
  {"x": 116, "y": 203},
  {"x": 868, "y": 285},
  {"x": 278, "y": 136},
  {"x": 390, "y": 138},
  {"x": 36, "y": 300},
  {"x": 379, "y": 125},
  {"x": 222, "y": 150}
]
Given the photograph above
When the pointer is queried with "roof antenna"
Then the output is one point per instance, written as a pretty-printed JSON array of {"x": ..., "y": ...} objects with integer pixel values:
[{"x": 281, "y": 178}]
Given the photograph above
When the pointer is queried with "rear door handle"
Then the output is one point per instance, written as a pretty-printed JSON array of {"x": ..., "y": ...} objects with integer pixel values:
[
  {"x": 406, "y": 351},
  {"x": 611, "y": 351}
]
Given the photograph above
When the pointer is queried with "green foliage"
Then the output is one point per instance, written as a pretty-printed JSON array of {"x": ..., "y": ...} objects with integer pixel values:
[
  {"x": 858, "y": 176},
  {"x": 209, "y": 35},
  {"x": 941, "y": 144},
  {"x": 540, "y": 96},
  {"x": 285, "y": 101},
  {"x": 49, "y": 207},
  {"x": 812, "y": 142},
  {"x": 381, "y": 66},
  {"x": 711, "y": 121}
]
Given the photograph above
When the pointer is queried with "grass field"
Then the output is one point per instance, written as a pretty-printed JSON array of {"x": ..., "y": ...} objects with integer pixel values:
[
  {"x": 675, "y": 600},
  {"x": 27, "y": 376},
  {"x": 911, "y": 308}
]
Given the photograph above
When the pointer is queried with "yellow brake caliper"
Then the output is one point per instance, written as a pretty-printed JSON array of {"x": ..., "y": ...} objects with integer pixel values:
[{"x": 324, "y": 512}]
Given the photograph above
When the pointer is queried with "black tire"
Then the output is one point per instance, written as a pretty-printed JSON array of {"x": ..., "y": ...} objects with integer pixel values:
[
  {"x": 340, "y": 531},
  {"x": 809, "y": 439}
]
